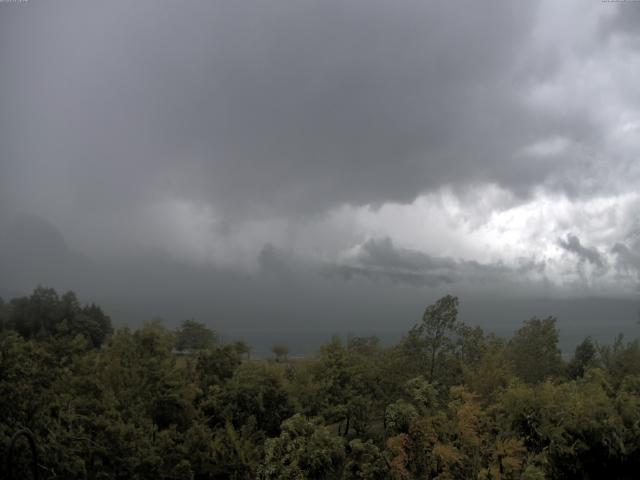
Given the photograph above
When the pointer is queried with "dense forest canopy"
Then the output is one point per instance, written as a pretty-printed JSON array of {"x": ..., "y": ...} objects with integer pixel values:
[{"x": 448, "y": 401}]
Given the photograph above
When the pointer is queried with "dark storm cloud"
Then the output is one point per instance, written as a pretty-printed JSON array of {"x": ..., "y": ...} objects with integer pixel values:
[
  {"x": 572, "y": 244},
  {"x": 263, "y": 108},
  {"x": 111, "y": 110}
]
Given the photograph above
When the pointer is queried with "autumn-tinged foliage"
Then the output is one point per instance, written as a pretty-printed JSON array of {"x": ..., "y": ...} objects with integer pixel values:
[{"x": 446, "y": 402}]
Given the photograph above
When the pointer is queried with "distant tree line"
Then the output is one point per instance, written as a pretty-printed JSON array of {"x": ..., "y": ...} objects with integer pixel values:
[
  {"x": 448, "y": 401},
  {"x": 46, "y": 316}
]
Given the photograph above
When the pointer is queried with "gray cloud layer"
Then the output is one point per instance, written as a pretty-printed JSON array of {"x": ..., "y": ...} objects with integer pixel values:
[
  {"x": 289, "y": 109},
  {"x": 267, "y": 108}
]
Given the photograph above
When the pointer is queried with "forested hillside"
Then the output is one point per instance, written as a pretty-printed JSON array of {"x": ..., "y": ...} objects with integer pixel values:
[{"x": 449, "y": 401}]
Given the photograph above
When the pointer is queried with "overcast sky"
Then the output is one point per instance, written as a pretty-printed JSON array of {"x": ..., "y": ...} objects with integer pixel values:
[{"x": 315, "y": 165}]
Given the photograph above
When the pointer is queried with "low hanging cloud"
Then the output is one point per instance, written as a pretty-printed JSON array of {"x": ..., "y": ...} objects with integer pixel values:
[
  {"x": 382, "y": 288},
  {"x": 381, "y": 259},
  {"x": 572, "y": 244}
]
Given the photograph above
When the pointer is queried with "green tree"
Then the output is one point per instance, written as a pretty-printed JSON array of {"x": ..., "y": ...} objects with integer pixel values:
[
  {"x": 492, "y": 372},
  {"x": 534, "y": 352},
  {"x": 334, "y": 375},
  {"x": 399, "y": 417},
  {"x": 4, "y": 315},
  {"x": 622, "y": 359},
  {"x": 256, "y": 392},
  {"x": 432, "y": 345},
  {"x": 45, "y": 315},
  {"x": 236, "y": 452},
  {"x": 281, "y": 352},
  {"x": 364, "y": 461},
  {"x": 36, "y": 316},
  {"x": 304, "y": 450},
  {"x": 585, "y": 356},
  {"x": 194, "y": 336},
  {"x": 215, "y": 367}
]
